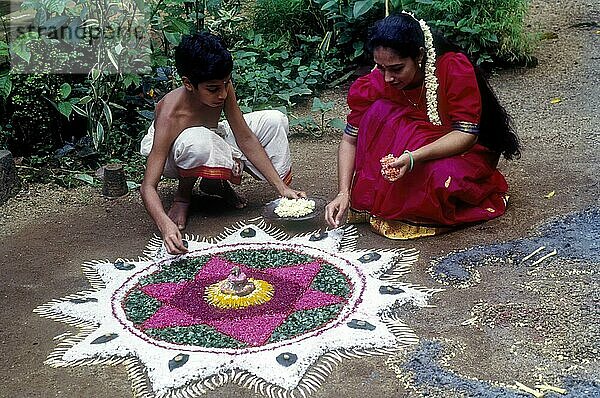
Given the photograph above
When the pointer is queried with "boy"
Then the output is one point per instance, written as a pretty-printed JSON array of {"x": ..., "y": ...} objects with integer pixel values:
[{"x": 188, "y": 142}]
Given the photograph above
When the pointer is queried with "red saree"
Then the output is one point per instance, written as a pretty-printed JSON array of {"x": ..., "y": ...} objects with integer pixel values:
[{"x": 446, "y": 192}]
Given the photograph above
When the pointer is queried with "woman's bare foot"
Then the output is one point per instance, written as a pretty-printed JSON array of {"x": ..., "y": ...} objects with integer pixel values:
[
  {"x": 223, "y": 189},
  {"x": 178, "y": 213}
]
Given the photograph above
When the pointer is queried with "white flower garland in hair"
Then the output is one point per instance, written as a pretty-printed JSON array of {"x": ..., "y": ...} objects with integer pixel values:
[{"x": 431, "y": 80}]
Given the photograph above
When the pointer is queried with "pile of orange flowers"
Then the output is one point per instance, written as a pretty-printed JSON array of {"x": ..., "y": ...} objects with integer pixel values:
[{"x": 389, "y": 172}]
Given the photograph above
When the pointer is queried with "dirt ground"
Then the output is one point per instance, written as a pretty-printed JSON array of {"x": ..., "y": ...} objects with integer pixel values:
[{"x": 498, "y": 321}]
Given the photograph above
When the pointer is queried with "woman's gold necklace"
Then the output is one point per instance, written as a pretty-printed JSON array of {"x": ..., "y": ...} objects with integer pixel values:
[{"x": 416, "y": 105}]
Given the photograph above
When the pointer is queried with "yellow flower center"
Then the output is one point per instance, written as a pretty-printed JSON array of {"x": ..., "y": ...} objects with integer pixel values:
[{"x": 262, "y": 293}]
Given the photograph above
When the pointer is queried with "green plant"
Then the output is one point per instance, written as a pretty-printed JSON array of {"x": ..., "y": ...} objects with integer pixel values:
[
  {"x": 94, "y": 106},
  {"x": 5, "y": 86},
  {"x": 323, "y": 124},
  {"x": 346, "y": 24},
  {"x": 36, "y": 125},
  {"x": 285, "y": 18},
  {"x": 228, "y": 24},
  {"x": 267, "y": 74},
  {"x": 487, "y": 29}
]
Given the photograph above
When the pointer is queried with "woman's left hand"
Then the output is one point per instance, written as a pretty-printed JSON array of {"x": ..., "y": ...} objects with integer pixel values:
[{"x": 400, "y": 165}]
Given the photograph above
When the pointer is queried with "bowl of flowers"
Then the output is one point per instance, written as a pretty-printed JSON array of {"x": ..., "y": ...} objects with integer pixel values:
[{"x": 285, "y": 209}]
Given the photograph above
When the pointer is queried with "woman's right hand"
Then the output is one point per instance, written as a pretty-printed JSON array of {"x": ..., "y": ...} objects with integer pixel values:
[{"x": 337, "y": 209}]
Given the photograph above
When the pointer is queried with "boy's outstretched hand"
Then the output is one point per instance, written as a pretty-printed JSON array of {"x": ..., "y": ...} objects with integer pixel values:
[
  {"x": 292, "y": 193},
  {"x": 172, "y": 239}
]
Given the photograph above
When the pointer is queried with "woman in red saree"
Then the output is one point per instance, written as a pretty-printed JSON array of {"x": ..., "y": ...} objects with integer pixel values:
[{"x": 443, "y": 127}]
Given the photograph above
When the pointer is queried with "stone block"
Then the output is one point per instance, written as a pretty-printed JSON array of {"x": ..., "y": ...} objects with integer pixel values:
[{"x": 9, "y": 179}]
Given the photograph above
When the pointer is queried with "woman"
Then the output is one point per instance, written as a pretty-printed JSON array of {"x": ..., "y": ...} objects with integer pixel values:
[{"x": 437, "y": 117}]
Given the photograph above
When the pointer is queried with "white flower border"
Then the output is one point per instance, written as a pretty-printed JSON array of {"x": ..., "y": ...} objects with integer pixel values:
[
  {"x": 256, "y": 369},
  {"x": 431, "y": 80}
]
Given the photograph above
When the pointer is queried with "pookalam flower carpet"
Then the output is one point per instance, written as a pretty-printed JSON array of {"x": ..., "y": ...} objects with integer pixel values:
[{"x": 252, "y": 306}]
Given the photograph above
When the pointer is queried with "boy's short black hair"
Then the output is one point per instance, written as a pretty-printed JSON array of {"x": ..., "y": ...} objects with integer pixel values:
[{"x": 201, "y": 57}]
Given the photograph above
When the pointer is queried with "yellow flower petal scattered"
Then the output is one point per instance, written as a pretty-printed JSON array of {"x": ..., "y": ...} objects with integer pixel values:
[
  {"x": 263, "y": 292},
  {"x": 447, "y": 183},
  {"x": 555, "y": 100},
  {"x": 548, "y": 387},
  {"x": 535, "y": 393},
  {"x": 549, "y": 194}
]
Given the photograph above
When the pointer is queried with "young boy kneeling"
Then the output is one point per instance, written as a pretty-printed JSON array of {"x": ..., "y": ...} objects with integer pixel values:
[{"x": 187, "y": 141}]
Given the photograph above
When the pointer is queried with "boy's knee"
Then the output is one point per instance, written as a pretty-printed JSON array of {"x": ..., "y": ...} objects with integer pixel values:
[
  {"x": 277, "y": 118},
  {"x": 191, "y": 145}
]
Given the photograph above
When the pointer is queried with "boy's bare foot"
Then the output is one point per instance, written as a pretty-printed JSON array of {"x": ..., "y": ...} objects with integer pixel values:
[
  {"x": 178, "y": 213},
  {"x": 181, "y": 202},
  {"x": 223, "y": 189}
]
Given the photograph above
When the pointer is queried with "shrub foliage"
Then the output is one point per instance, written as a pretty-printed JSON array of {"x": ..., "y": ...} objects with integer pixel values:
[{"x": 284, "y": 52}]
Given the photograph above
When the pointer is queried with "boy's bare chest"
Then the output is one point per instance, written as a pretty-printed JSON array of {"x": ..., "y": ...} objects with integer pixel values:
[{"x": 208, "y": 118}]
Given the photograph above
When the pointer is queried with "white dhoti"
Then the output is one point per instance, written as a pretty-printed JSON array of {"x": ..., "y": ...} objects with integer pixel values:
[{"x": 214, "y": 154}]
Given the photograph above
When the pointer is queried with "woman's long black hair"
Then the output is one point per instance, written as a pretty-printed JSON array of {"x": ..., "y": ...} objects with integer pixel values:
[{"x": 403, "y": 34}]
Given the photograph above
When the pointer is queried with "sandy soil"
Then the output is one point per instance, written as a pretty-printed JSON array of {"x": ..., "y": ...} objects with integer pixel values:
[{"x": 527, "y": 323}]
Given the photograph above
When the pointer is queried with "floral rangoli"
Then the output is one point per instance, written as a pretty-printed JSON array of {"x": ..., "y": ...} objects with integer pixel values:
[{"x": 253, "y": 306}]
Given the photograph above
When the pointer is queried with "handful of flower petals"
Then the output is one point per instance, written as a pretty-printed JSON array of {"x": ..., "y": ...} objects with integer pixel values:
[{"x": 390, "y": 173}]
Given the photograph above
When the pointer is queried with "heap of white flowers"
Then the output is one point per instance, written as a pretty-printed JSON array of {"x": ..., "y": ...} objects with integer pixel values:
[
  {"x": 294, "y": 207},
  {"x": 431, "y": 81}
]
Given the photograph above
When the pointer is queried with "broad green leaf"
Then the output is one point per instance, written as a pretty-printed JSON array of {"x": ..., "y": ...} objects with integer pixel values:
[
  {"x": 117, "y": 106},
  {"x": 95, "y": 73},
  {"x": 65, "y": 108},
  {"x": 330, "y": 5},
  {"x": 317, "y": 105},
  {"x": 5, "y": 86},
  {"x": 85, "y": 100},
  {"x": 3, "y": 49},
  {"x": 78, "y": 110},
  {"x": 88, "y": 179},
  {"x": 65, "y": 90},
  {"x": 141, "y": 4},
  {"x": 147, "y": 114},
  {"x": 107, "y": 113},
  {"x": 281, "y": 109},
  {"x": 131, "y": 79},
  {"x": 284, "y": 96},
  {"x": 20, "y": 49},
  {"x": 337, "y": 123},
  {"x": 180, "y": 26},
  {"x": 99, "y": 134},
  {"x": 396, "y": 4},
  {"x": 301, "y": 91},
  {"x": 358, "y": 49},
  {"x": 361, "y": 7},
  {"x": 112, "y": 59},
  {"x": 132, "y": 185},
  {"x": 88, "y": 23},
  {"x": 173, "y": 38}
]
